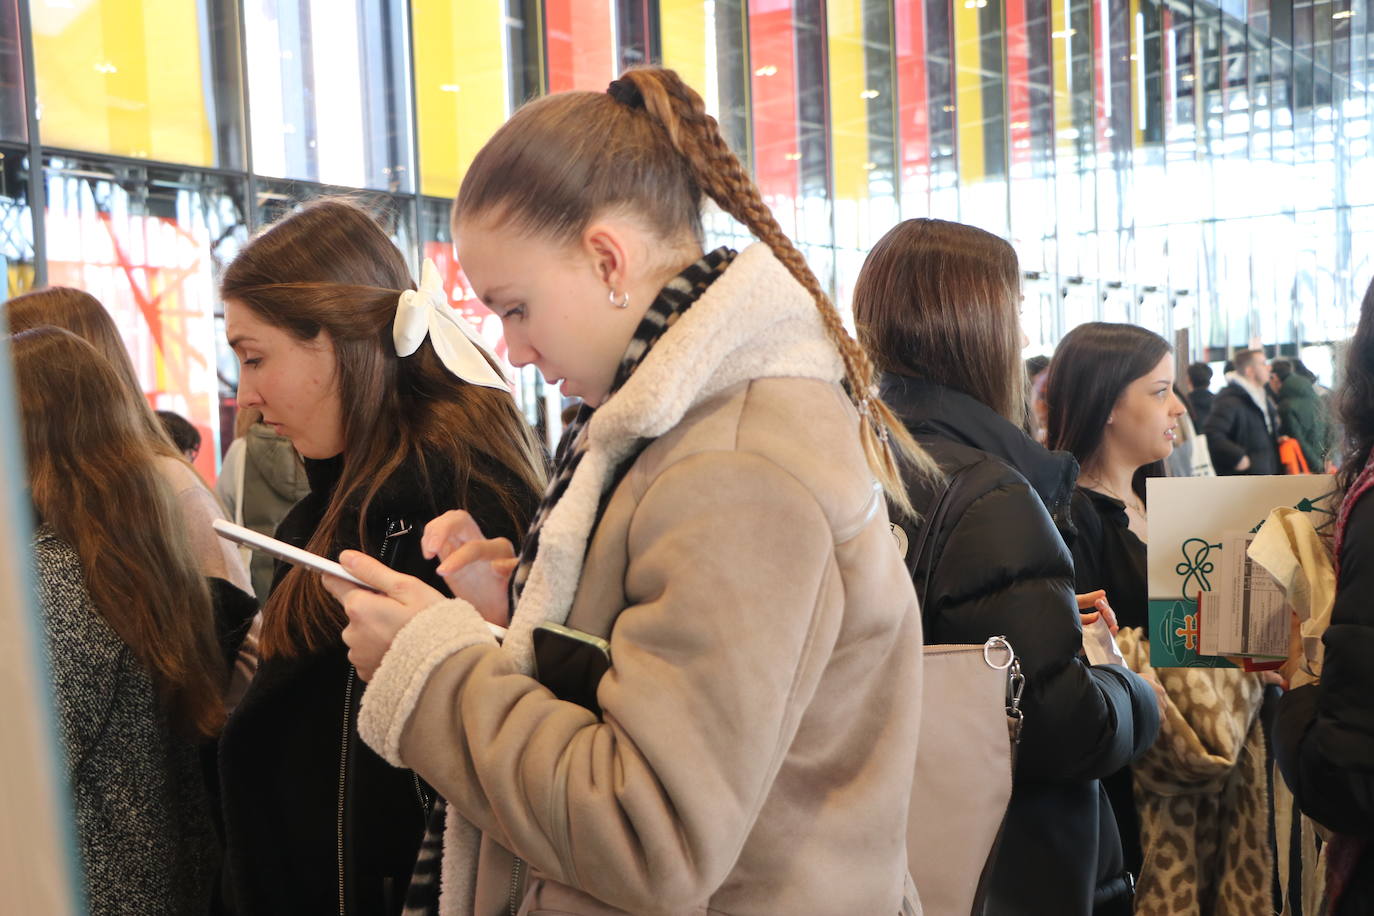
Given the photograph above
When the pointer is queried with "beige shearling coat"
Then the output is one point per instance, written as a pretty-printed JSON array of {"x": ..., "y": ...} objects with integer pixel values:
[{"x": 758, "y": 731}]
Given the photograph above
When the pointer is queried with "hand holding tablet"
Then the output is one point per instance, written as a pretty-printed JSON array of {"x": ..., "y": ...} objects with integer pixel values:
[{"x": 298, "y": 557}]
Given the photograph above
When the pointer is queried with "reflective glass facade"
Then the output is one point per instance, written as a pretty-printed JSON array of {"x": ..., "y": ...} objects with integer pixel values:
[{"x": 1187, "y": 165}]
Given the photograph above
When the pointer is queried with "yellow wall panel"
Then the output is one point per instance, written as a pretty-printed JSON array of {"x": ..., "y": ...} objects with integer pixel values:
[
  {"x": 460, "y": 86},
  {"x": 848, "y": 102},
  {"x": 1060, "y": 47},
  {"x": 968, "y": 90},
  {"x": 683, "y": 27},
  {"x": 123, "y": 77}
]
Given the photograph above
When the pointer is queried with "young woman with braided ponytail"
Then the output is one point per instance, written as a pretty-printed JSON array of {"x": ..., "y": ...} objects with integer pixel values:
[{"x": 717, "y": 517}]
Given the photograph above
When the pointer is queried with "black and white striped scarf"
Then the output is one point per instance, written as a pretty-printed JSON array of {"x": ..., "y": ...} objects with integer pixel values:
[{"x": 676, "y": 297}]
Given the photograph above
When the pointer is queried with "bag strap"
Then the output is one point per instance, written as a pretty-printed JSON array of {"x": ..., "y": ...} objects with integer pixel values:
[{"x": 920, "y": 561}]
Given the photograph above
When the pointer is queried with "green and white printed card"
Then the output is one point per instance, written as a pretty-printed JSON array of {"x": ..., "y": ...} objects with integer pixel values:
[{"x": 1190, "y": 518}]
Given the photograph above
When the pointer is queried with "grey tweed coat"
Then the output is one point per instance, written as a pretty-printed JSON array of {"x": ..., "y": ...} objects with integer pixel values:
[{"x": 144, "y": 830}]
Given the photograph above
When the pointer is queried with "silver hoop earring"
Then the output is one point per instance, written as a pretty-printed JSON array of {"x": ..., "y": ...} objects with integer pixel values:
[{"x": 624, "y": 302}]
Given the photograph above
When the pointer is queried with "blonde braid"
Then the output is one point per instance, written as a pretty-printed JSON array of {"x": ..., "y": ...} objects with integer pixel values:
[{"x": 719, "y": 173}]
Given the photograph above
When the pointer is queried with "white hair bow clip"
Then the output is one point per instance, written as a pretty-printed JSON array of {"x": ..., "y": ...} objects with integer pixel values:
[{"x": 426, "y": 313}]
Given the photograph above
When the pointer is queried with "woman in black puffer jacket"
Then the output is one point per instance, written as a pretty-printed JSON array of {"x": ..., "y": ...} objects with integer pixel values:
[{"x": 937, "y": 307}]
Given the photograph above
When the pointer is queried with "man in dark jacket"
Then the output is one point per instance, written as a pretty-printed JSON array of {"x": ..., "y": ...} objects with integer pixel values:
[
  {"x": 1200, "y": 392},
  {"x": 1302, "y": 414},
  {"x": 1241, "y": 427},
  {"x": 998, "y": 565}
]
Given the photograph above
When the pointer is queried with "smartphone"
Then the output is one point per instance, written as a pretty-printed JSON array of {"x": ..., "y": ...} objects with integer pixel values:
[
  {"x": 571, "y": 663},
  {"x": 283, "y": 551}
]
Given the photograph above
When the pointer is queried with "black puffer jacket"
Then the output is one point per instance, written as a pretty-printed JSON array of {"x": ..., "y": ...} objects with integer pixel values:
[
  {"x": 1000, "y": 567},
  {"x": 1237, "y": 428},
  {"x": 1324, "y": 739},
  {"x": 317, "y": 822}
]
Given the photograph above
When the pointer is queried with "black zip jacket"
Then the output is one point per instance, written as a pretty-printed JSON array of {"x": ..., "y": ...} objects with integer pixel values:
[
  {"x": 1000, "y": 567},
  {"x": 1236, "y": 428},
  {"x": 316, "y": 821}
]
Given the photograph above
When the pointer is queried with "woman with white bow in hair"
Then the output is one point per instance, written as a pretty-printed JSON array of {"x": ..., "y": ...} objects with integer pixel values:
[{"x": 400, "y": 415}]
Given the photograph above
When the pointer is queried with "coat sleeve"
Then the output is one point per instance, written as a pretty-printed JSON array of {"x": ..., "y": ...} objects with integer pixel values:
[
  {"x": 1225, "y": 450},
  {"x": 736, "y": 606},
  {"x": 1004, "y": 570},
  {"x": 1324, "y": 739}
]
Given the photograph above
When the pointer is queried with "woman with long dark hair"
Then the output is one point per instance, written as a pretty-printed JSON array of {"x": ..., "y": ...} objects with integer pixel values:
[
  {"x": 1324, "y": 739},
  {"x": 129, "y": 620},
  {"x": 400, "y": 416},
  {"x": 937, "y": 305},
  {"x": 1192, "y": 810}
]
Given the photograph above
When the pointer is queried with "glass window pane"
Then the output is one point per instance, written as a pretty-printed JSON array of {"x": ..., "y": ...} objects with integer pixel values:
[
  {"x": 981, "y": 114},
  {"x": 462, "y": 76},
  {"x": 149, "y": 243},
  {"x": 13, "y": 123},
  {"x": 704, "y": 43},
  {"x": 16, "y": 222},
  {"x": 580, "y": 44},
  {"x": 328, "y": 91},
  {"x": 863, "y": 144},
  {"x": 148, "y": 79}
]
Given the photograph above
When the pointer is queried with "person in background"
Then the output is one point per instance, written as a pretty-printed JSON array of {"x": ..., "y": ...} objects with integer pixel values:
[
  {"x": 1302, "y": 414},
  {"x": 937, "y": 307},
  {"x": 1200, "y": 395},
  {"x": 399, "y": 416},
  {"x": 261, "y": 479},
  {"x": 748, "y": 743},
  {"x": 1190, "y": 457},
  {"x": 138, "y": 641},
  {"x": 183, "y": 435},
  {"x": 83, "y": 315},
  {"x": 1324, "y": 738},
  {"x": 1242, "y": 427},
  {"x": 1193, "y": 809}
]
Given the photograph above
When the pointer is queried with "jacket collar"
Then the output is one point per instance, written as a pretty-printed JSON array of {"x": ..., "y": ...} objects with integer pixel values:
[{"x": 931, "y": 409}]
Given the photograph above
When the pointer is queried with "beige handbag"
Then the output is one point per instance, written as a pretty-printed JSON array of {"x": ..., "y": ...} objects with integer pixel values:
[{"x": 970, "y": 724}]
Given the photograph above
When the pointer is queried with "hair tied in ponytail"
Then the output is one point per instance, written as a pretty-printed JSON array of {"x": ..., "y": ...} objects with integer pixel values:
[{"x": 626, "y": 93}]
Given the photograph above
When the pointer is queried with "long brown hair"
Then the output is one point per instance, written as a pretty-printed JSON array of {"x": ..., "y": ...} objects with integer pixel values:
[
  {"x": 82, "y": 314},
  {"x": 330, "y": 267},
  {"x": 655, "y": 152},
  {"x": 941, "y": 300},
  {"x": 94, "y": 479}
]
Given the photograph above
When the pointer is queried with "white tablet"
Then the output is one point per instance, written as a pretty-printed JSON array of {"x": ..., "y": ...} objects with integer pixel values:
[
  {"x": 294, "y": 555},
  {"x": 283, "y": 551}
]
